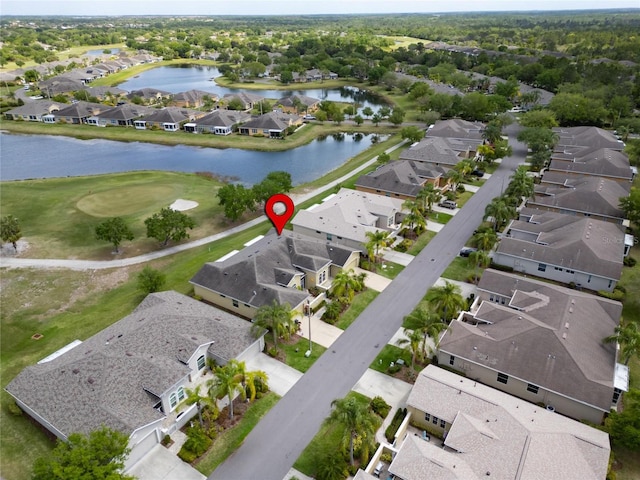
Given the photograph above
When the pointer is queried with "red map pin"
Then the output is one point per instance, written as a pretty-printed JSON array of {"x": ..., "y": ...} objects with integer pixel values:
[{"x": 279, "y": 220}]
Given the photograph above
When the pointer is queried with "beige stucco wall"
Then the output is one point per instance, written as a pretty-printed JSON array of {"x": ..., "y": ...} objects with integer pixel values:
[{"x": 225, "y": 302}]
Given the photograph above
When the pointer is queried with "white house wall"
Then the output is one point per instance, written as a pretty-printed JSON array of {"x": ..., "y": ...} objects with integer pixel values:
[{"x": 142, "y": 441}]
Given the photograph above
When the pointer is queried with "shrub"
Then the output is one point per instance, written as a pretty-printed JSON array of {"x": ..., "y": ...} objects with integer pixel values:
[
  {"x": 14, "y": 409},
  {"x": 473, "y": 278},
  {"x": 380, "y": 407},
  {"x": 386, "y": 457},
  {"x": 502, "y": 268},
  {"x": 615, "y": 295},
  {"x": 332, "y": 312},
  {"x": 166, "y": 440},
  {"x": 404, "y": 245},
  {"x": 273, "y": 352},
  {"x": 197, "y": 441},
  {"x": 629, "y": 261},
  {"x": 391, "y": 430},
  {"x": 150, "y": 280},
  {"x": 394, "y": 369},
  {"x": 186, "y": 456}
]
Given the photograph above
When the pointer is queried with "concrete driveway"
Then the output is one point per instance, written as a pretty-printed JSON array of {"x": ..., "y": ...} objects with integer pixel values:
[
  {"x": 161, "y": 464},
  {"x": 281, "y": 376},
  {"x": 373, "y": 280},
  {"x": 397, "y": 257},
  {"x": 373, "y": 383}
]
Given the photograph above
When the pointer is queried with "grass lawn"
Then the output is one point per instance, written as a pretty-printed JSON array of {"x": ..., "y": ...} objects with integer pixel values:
[
  {"x": 389, "y": 269},
  {"x": 464, "y": 198},
  {"x": 296, "y": 359},
  {"x": 327, "y": 438},
  {"x": 421, "y": 242},
  {"x": 440, "y": 217},
  {"x": 58, "y": 216},
  {"x": 360, "y": 302},
  {"x": 459, "y": 269},
  {"x": 388, "y": 354},
  {"x": 229, "y": 441}
]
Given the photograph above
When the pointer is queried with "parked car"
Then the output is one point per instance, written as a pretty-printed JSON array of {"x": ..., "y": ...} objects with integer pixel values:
[
  {"x": 448, "y": 204},
  {"x": 466, "y": 251},
  {"x": 478, "y": 173},
  {"x": 308, "y": 117}
]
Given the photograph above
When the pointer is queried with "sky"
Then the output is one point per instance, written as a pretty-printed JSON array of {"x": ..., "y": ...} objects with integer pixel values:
[{"x": 283, "y": 7}]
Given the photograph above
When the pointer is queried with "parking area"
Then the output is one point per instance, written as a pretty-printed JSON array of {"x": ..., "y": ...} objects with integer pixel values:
[{"x": 161, "y": 464}]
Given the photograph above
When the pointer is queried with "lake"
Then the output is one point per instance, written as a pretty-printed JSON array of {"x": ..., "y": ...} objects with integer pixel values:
[
  {"x": 44, "y": 156},
  {"x": 180, "y": 78}
]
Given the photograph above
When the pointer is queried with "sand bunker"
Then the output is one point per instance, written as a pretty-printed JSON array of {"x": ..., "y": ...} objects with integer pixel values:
[{"x": 181, "y": 205}]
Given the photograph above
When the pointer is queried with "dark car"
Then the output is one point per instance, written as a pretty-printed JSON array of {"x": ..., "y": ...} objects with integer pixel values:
[
  {"x": 478, "y": 173},
  {"x": 466, "y": 251}
]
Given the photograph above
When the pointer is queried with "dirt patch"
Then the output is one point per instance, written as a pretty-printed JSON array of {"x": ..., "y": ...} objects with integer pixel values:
[{"x": 8, "y": 250}]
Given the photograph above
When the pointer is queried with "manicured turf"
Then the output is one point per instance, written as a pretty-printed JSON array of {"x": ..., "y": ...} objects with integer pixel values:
[
  {"x": 360, "y": 302},
  {"x": 421, "y": 242},
  {"x": 388, "y": 354},
  {"x": 389, "y": 269}
]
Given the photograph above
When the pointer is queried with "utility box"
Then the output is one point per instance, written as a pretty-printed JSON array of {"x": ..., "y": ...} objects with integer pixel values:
[{"x": 307, "y": 353}]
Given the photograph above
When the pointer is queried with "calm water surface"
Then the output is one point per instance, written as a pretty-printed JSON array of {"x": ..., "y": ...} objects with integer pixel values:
[{"x": 43, "y": 156}]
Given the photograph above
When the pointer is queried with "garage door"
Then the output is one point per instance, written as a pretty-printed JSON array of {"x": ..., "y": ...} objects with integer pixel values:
[{"x": 142, "y": 448}]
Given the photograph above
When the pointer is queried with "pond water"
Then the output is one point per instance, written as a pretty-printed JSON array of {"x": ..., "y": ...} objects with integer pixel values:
[
  {"x": 43, "y": 156},
  {"x": 100, "y": 51},
  {"x": 180, "y": 78}
]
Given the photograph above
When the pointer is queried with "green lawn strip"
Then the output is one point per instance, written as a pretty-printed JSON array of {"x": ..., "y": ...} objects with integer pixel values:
[
  {"x": 439, "y": 217},
  {"x": 360, "y": 302},
  {"x": 327, "y": 438},
  {"x": 388, "y": 354},
  {"x": 389, "y": 269},
  {"x": 229, "y": 440},
  {"x": 296, "y": 359},
  {"x": 464, "y": 198},
  {"x": 58, "y": 216},
  {"x": 277, "y": 85},
  {"x": 459, "y": 269},
  {"x": 421, "y": 242}
]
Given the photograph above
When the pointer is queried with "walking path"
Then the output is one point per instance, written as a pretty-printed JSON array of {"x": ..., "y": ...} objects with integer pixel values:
[{"x": 12, "y": 262}]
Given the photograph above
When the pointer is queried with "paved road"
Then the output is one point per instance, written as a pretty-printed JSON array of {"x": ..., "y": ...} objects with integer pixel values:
[
  {"x": 44, "y": 263},
  {"x": 275, "y": 443}
]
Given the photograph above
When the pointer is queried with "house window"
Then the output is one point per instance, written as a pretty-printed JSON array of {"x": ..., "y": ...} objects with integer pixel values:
[
  {"x": 610, "y": 283},
  {"x": 542, "y": 267},
  {"x": 173, "y": 400},
  {"x": 502, "y": 378},
  {"x": 442, "y": 423},
  {"x": 532, "y": 388},
  {"x": 181, "y": 395},
  {"x": 329, "y": 236},
  {"x": 201, "y": 362},
  {"x": 435, "y": 420},
  {"x": 235, "y": 303},
  {"x": 452, "y": 360},
  {"x": 427, "y": 417},
  {"x": 616, "y": 395},
  {"x": 322, "y": 276},
  {"x": 254, "y": 130}
]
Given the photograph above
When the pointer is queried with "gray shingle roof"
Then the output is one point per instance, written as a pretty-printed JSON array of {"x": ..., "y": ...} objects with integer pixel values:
[
  {"x": 272, "y": 121},
  {"x": 583, "y": 194},
  {"x": 125, "y": 112},
  {"x": 289, "y": 101},
  {"x": 457, "y": 128},
  {"x": 224, "y": 118},
  {"x": 603, "y": 162},
  {"x": 554, "y": 339},
  {"x": 586, "y": 137},
  {"x": 405, "y": 177},
  {"x": 577, "y": 243},
  {"x": 170, "y": 115},
  {"x": 258, "y": 274},
  {"x": 106, "y": 379},
  {"x": 493, "y": 433},
  {"x": 80, "y": 110},
  {"x": 432, "y": 150},
  {"x": 37, "y": 107},
  {"x": 148, "y": 93}
]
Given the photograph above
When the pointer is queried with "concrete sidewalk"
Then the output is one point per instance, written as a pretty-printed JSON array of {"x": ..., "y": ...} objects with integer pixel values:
[{"x": 397, "y": 257}]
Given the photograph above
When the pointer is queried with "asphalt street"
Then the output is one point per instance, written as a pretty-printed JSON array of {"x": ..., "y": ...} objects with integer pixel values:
[{"x": 275, "y": 443}]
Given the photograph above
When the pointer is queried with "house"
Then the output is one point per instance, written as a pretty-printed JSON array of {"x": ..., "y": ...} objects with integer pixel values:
[
  {"x": 149, "y": 95},
  {"x": 220, "y": 122},
  {"x": 132, "y": 375},
  {"x": 586, "y": 196},
  {"x": 489, "y": 434},
  {"x": 59, "y": 85},
  {"x": 76, "y": 113},
  {"x": 573, "y": 250},
  {"x": 574, "y": 139},
  {"x": 272, "y": 125},
  {"x": 297, "y": 104},
  {"x": 276, "y": 267},
  {"x": 462, "y": 136},
  {"x": 346, "y": 217},
  {"x": 540, "y": 342},
  {"x": 104, "y": 92},
  {"x": 435, "y": 151},
  {"x": 247, "y": 100},
  {"x": 168, "y": 119},
  {"x": 600, "y": 162},
  {"x": 192, "y": 98},
  {"x": 120, "y": 116},
  {"x": 402, "y": 179},
  {"x": 33, "y": 111}
]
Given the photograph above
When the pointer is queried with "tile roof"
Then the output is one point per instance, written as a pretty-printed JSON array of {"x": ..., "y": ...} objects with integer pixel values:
[
  {"x": 259, "y": 273},
  {"x": 109, "y": 377},
  {"x": 405, "y": 177},
  {"x": 588, "y": 194},
  {"x": 348, "y": 214},
  {"x": 577, "y": 243},
  {"x": 495, "y": 434},
  {"x": 552, "y": 337}
]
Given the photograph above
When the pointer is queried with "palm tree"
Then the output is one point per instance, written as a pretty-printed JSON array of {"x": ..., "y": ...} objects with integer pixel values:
[
  {"x": 500, "y": 210},
  {"x": 278, "y": 318},
  {"x": 377, "y": 239},
  {"x": 455, "y": 178},
  {"x": 413, "y": 339},
  {"x": 485, "y": 238},
  {"x": 428, "y": 324},
  {"x": 356, "y": 419},
  {"x": 446, "y": 300},
  {"x": 628, "y": 337},
  {"x": 479, "y": 259},
  {"x": 345, "y": 284},
  {"x": 193, "y": 396},
  {"x": 521, "y": 184},
  {"x": 465, "y": 167},
  {"x": 254, "y": 381},
  {"x": 227, "y": 382},
  {"x": 414, "y": 218},
  {"x": 428, "y": 196},
  {"x": 492, "y": 133}
]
